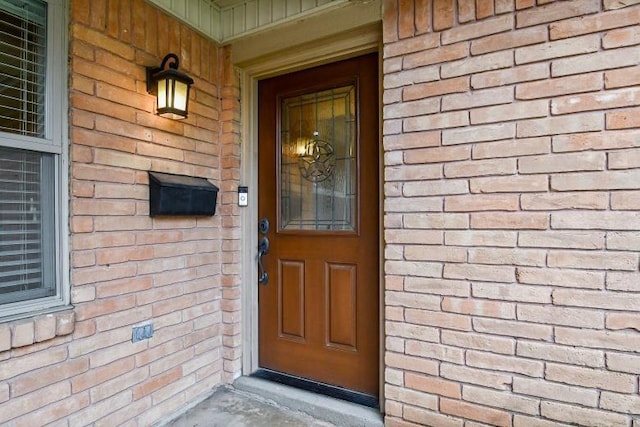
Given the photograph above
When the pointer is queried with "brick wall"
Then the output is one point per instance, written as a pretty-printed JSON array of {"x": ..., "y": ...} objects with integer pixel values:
[
  {"x": 127, "y": 268},
  {"x": 512, "y": 185}
]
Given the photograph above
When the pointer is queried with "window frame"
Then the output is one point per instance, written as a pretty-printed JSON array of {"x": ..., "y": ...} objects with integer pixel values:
[{"x": 56, "y": 142}]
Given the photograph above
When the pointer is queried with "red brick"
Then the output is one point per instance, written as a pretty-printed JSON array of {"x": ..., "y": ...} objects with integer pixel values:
[
  {"x": 411, "y": 397},
  {"x": 623, "y": 363},
  {"x": 502, "y": 399},
  {"x": 515, "y": 111},
  {"x": 466, "y": 10},
  {"x": 435, "y": 56},
  {"x": 503, "y": 6},
  {"x": 432, "y": 385},
  {"x": 512, "y": 148},
  {"x": 597, "y": 61},
  {"x": 562, "y": 239},
  {"x": 623, "y": 119},
  {"x": 618, "y": 321},
  {"x": 435, "y": 351},
  {"x": 480, "y": 168},
  {"x": 591, "y": 378},
  {"x": 441, "y": 87},
  {"x": 559, "y": 86},
  {"x": 476, "y": 307},
  {"x": 558, "y": 353},
  {"x": 477, "y": 64},
  {"x": 623, "y": 240},
  {"x": 555, "y": 391},
  {"x": 477, "y": 98},
  {"x": 508, "y": 40},
  {"x": 509, "y": 184},
  {"x": 406, "y": 26},
  {"x": 593, "y": 23},
  {"x": 484, "y": 8},
  {"x": 499, "y": 220},
  {"x": 596, "y": 141},
  {"x": 556, "y": 11},
  {"x": 437, "y": 286},
  {"x": 472, "y": 203},
  {"x": 561, "y": 316},
  {"x": 590, "y": 338},
  {"x": 423, "y": 16},
  {"x": 622, "y": 77},
  {"x": 595, "y": 220},
  {"x": 512, "y": 292},
  {"x": 22, "y": 333},
  {"x": 593, "y": 260},
  {"x": 442, "y": 15},
  {"x": 523, "y": 4},
  {"x": 561, "y": 277},
  {"x": 438, "y": 319},
  {"x": 585, "y": 416},
  {"x": 478, "y": 29},
  {"x": 562, "y": 163},
  {"x": 595, "y": 299},
  {"x": 511, "y": 328},
  {"x": 407, "y": 109},
  {"x": 467, "y": 375},
  {"x": 479, "y": 272},
  {"x": 596, "y": 101},
  {"x": 437, "y": 155},
  {"x": 498, "y": 256},
  {"x": 433, "y": 122},
  {"x": 410, "y": 77},
  {"x": 557, "y": 49},
  {"x": 623, "y": 281},
  {"x": 622, "y": 37},
  {"x": 558, "y": 125},
  {"x": 616, "y": 4},
  {"x": 523, "y": 73},
  {"x": 531, "y": 368},
  {"x": 475, "y": 412},
  {"x": 412, "y": 140},
  {"x": 423, "y": 417},
  {"x": 31, "y": 402},
  {"x": 625, "y": 200}
]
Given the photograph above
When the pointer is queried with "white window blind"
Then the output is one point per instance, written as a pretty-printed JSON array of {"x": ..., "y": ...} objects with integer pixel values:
[
  {"x": 26, "y": 229},
  {"x": 23, "y": 46}
]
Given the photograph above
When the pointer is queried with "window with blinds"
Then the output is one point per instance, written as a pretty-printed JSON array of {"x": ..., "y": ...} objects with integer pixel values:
[
  {"x": 23, "y": 45},
  {"x": 27, "y": 177}
]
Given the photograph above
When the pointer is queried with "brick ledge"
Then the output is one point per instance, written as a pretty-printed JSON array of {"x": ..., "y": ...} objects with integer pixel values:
[{"x": 24, "y": 332}]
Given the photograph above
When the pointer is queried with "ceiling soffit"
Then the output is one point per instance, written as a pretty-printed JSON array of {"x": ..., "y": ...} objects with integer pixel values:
[{"x": 228, "y": 20}]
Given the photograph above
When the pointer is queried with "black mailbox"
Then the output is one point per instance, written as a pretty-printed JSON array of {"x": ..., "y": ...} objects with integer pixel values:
[{"x": 181, "y": 195}]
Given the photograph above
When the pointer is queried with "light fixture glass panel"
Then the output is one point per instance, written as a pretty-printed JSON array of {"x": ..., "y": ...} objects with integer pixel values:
[
  {"x": 180, "y": 96},
  {"x": 162, "y": 93},
  {"x": 318, "y": 166}
]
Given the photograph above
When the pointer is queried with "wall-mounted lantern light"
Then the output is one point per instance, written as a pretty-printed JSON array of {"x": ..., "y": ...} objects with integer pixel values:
[{"x": 171, "y": 88}]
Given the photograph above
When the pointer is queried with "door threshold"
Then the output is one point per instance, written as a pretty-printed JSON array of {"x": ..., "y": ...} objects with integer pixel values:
[
  {"x": 325, "y": 408},
  {"x": 318, "y": 387}
]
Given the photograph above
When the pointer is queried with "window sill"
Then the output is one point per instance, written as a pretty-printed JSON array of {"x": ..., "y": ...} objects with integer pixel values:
[{"x": 43, "y": 327}]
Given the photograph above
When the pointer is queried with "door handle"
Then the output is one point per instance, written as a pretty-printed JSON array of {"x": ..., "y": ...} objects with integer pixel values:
[{"x": 263, "y": 249}]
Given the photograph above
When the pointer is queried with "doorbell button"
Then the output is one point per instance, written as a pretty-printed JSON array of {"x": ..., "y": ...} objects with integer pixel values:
[{"x": 243, "y": 196}]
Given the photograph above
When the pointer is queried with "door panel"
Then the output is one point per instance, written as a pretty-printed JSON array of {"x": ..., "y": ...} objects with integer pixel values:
[{"x": 318, "y": 186}]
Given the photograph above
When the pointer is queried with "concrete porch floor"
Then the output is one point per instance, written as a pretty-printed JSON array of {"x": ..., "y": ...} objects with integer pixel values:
[{"x": 253, "y": 402}]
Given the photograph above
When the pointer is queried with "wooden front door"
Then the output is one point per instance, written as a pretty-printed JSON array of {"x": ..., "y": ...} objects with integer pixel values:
[{"x": 318, "y": 189}]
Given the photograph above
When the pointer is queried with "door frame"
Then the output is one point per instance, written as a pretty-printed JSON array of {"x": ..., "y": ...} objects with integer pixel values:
[{"x": 349, "y": 44}]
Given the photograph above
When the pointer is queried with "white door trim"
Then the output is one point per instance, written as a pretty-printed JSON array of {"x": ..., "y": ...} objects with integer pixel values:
[{"x": 349, "y": 44}]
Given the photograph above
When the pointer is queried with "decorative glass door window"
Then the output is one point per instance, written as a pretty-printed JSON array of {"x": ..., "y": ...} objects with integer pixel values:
[{"x": 318, "y": 164}]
